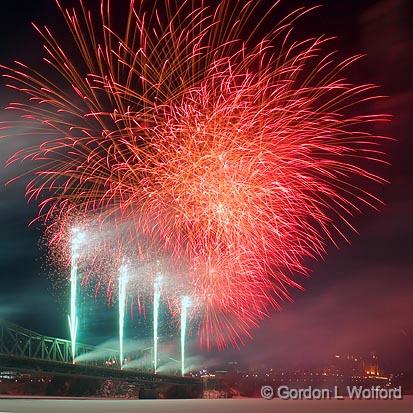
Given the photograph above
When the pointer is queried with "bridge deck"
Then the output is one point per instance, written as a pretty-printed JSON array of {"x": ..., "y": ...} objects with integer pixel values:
[{"x": 31, "y": 365}]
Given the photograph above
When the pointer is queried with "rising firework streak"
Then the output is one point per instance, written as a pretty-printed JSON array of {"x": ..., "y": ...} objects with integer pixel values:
[
  {"x": 185, "y": 304},
  {"x": 123, "y": 280},
  {"x": 77, "y": 240},
  {"x": 156, "y": 301}
]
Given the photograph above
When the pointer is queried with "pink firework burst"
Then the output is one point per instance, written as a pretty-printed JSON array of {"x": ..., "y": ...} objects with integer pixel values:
[{"x": 237, "y": 158}]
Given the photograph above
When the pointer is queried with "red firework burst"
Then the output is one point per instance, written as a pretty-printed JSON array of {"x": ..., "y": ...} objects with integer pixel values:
[{"x": 236, "y": 158}]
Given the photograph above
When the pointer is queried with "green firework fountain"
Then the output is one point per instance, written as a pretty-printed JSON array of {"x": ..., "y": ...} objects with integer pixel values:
[
  {"x": 123, "y": 280},
  {"x": 73, "y": 320},
  {"x": 78, "y": 238},
  {"x": 185, "y": 303},
  {"x": 156, "y": 300}
]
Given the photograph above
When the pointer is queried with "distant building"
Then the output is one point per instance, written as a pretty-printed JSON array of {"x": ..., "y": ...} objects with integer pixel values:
[
  {"x": 340, "y": 371},
  {"x": 371, "y": 365}
]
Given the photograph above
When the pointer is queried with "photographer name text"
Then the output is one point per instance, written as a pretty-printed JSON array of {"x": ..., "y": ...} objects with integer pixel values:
[{"x": 314, "y": 393}]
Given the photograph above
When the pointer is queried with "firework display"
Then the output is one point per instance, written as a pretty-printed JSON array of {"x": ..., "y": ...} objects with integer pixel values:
[{"x": 231, "y": 155}]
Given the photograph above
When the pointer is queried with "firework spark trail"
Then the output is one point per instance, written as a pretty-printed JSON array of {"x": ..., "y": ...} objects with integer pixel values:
[
  {"x": 156, "y": 301},
  {"x": 123, "y": 279},
  {"x": 185, "y": 304},
  {"x": 72, "y": 318},
  {"x": 236, "y": 158},
  {"x": 77, "y": 240}
]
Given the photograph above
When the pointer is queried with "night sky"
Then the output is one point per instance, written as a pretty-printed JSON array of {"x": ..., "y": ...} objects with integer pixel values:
[{"x": 358, "y": 300}]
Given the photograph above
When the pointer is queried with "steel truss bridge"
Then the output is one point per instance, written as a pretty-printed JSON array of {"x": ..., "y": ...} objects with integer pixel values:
[
  {"x": 20, "y": 342},
  {"x": 26, "y": 351}
]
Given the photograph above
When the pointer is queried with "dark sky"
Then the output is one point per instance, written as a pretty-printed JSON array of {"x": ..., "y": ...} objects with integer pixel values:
[{"x": 359, "y": 299}]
